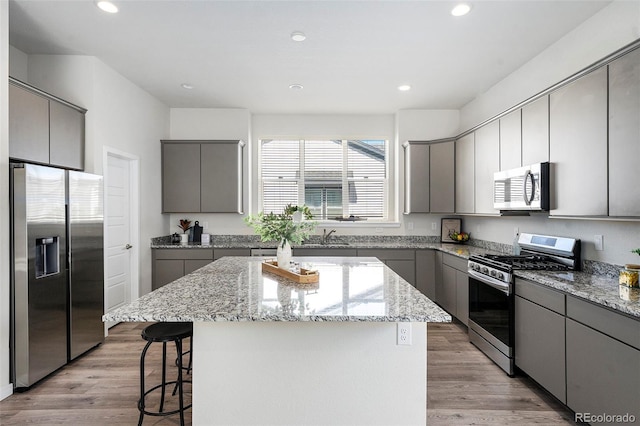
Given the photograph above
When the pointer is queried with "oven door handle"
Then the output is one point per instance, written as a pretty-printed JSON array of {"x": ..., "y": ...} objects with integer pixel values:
[{"x": 490, "y": 281}]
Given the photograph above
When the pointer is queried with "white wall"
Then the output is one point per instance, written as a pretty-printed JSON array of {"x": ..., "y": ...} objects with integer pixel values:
[
  {"x": 609, "y": 30},
  {"x": 18, "y": 64},
  {"x": 6, "y": 388},
  {"x": 120, "y": 116}
]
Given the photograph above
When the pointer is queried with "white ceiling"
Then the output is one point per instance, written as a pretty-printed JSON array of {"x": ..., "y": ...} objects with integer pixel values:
[{"x": 238, "y": 54}]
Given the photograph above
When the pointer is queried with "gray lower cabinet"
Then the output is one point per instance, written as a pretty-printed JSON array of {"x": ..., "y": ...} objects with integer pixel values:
[
  {"x": 452, "y": 291},
  {"x": 202, "y": 176},
  {"x": 171, "y": 264},
  {"x": 425, "y": 273},
  {"x": 43, "y": 129},
  {"x": 578, "y": 146},
  {"x": 465, "y": 174},
  {"x": 401, "y": 261},
  {"x": 219, "y": 252},
  {"x": 624, "y": 134},
  {"x": 540, "y": 335}
]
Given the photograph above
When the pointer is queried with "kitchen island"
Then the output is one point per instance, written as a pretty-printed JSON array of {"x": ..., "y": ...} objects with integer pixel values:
[{"x": 269, "y": 351}]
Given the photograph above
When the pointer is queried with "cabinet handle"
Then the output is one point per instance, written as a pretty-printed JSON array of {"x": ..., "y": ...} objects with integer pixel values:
[{"x": 128, "y": 246}]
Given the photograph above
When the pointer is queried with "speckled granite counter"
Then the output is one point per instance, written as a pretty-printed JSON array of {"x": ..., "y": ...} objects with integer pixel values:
[
  {"x": 601, "y": 290},
  {"x": 236, "y": 289}
]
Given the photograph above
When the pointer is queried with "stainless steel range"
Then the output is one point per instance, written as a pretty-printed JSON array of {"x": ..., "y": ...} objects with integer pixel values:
[{"x": 492, "y": 294}]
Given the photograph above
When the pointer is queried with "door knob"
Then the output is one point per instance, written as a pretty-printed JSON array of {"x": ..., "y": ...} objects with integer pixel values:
[{"x": 128, "y": 246}]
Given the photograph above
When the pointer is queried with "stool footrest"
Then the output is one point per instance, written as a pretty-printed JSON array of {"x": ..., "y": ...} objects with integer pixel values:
[{"x": 161, "y": 413}]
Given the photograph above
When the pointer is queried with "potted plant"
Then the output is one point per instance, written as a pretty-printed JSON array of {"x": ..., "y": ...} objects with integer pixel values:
[
  {"x": 185, "y": 225},
  {"x": 285, "y": 228}
]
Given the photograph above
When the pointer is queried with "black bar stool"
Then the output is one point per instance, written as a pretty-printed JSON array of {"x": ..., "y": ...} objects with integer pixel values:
[{"x": 165, "y": 332}]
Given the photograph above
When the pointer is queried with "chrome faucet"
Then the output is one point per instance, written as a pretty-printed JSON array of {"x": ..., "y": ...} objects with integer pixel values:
[{"x": 326, "y": 236}]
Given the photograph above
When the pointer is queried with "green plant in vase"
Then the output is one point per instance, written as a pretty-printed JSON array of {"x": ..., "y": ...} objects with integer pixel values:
[{"x": 285, "y": 228}]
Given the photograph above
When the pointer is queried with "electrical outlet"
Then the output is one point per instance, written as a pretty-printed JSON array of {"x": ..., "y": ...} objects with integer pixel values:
[
  {"x": 404, "y": 333},
  {"x": 599, "y": 242},
  {"x": 434, "y": 226},
  {"x": 410, "y": 226},
  {"x": 205, "y": 225}
]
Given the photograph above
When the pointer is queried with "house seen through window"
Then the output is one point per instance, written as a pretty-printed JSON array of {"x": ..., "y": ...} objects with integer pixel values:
[{"x": 335, "y": 178}]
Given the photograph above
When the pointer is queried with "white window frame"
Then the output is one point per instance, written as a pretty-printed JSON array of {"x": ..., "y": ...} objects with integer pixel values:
[{"x": 390, "y": 177}]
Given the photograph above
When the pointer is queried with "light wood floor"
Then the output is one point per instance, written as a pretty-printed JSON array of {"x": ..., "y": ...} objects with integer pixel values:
[{"x": 101, "y": 388}]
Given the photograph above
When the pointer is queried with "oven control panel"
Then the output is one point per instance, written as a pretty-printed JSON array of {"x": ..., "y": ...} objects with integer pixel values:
[{"x": 489, "y": 271}]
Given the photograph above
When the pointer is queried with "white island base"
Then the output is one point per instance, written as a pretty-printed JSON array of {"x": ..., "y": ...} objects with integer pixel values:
[{"x": 308, "y": 373}]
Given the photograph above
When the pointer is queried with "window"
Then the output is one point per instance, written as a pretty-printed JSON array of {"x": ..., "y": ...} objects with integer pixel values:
[{"x": 335, "y": 178}]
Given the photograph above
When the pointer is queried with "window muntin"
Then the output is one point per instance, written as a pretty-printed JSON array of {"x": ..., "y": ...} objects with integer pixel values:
[{"x": 335, "y": 178}]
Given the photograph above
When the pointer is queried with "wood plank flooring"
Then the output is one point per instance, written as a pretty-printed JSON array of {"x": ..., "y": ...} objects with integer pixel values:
[{"x": 101, "y": 388}]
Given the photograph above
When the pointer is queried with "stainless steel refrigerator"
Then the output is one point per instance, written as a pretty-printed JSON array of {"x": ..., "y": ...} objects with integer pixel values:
[{"x": 57, "y": 278}]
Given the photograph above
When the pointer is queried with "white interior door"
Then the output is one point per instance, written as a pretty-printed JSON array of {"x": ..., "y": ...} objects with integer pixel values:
[{"x": 120, "y": 251}]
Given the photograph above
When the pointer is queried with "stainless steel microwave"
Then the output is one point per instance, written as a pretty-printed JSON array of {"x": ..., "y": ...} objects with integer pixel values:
[{"x": 522, "y": 189}]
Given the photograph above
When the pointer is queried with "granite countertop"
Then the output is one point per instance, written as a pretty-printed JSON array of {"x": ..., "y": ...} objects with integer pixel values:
[
  {"x": 236, "y": 289},
  {"x": 599, "y": 289}
]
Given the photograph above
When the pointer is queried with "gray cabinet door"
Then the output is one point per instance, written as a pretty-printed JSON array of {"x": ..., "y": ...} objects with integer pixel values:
[
  {"x": 511, "y": 140},
  {"x": 66, "y": 138},
  {"x": 578, "y": 146},
  {"x": 438, "y": 285},
  {"x": 192, "y": 265},
  {"x": 180, "y": 177},
  {"x": 540, "y": 345},
  {"x": 465, "y": 186},
  {"x": 442, "y": 181},
  {"x": 603, "y": 374},
  {"x": 487, "y": 162},
  {"x": 221, "y": 177},
  {"x": 448, "y": 294},
  {"x": 462, "y": 297},
  {"x": 416, "y": 177},
  {"x": 405, "y": 268},
  {"x": 624, "y": 135},
  {"x": 166, "y": 271},
  {"x": 28, "y": 126},
  {"x": 535, "y": 132},
  {"x": 425, "y": 272}
]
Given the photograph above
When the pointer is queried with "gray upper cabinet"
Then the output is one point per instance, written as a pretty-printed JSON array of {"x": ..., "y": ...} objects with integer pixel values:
[
  {"x": 202, "y": 176},
  {"x": 535, "y": 131},
  {"x": 221, "y": 177},
  {"x": 44, "y": 129},
  {"x": 416, "y": 177},
  {"x": 511, "y": 140},
  {"x": 487, "y": 162},
  {"x": 578, "y": 146},
  {"x": 465, "y": 193},
  {"x": 180, "y": 177},
  {"x": 442, "y": 179},
  {"x": 624, "y": 135},
  {"x": 28, "y": 125},
  {"x": 66, "y": 137}
]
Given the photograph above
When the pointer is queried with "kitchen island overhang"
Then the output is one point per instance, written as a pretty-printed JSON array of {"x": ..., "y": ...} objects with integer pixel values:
[{"x": 267, "y": 351}]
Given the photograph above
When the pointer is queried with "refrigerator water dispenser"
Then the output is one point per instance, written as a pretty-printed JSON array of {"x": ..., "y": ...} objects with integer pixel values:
[{"x": 47, "y": 257}]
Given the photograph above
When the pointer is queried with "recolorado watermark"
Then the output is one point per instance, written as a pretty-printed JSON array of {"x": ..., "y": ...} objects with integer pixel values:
[{"x": 605, "y": 418}]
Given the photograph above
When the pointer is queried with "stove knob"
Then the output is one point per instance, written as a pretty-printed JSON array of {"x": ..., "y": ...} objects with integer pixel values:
[
  {"x": 493, "y": 273},
  {"x": 476, "y": 267},
  {"x": 485, "y": 270},
  {"x": 500, "y": 276}
]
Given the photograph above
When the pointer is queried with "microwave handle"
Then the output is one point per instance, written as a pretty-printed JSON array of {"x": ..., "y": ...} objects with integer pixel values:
[{"x": 529, "y": 198}]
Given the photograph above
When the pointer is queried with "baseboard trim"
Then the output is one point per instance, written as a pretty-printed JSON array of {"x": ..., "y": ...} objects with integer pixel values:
[{"x": 6, "y": 391}]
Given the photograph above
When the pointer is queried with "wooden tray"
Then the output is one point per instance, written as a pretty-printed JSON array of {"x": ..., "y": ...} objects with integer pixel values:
[{"x": 305, "y": 275}]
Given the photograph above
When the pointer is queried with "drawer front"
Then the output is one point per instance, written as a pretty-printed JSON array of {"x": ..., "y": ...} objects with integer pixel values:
[
  {"x": 218, "y": 253},
  {"x": 396, "y": 254},
  {"x": 616, "y": 325},
  {"x": 195, "y": 253},
  {"x": 543, "y": 296},
  {"x": 454, "y": 261}
]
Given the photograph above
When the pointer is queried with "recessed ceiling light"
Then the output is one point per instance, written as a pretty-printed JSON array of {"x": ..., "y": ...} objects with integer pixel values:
[
  {"x": 298, "y": 36},
  {"x": 404, "y": 88},
  {"x": 186, "y": 86},
  {"x": 107, "y": 6},
  {"x": 461, "y": 9},
  {"x": 296, "y": 86}
]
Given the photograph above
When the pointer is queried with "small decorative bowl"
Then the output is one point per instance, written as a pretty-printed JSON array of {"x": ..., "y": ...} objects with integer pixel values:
[{"x": 459, "y": 237}]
